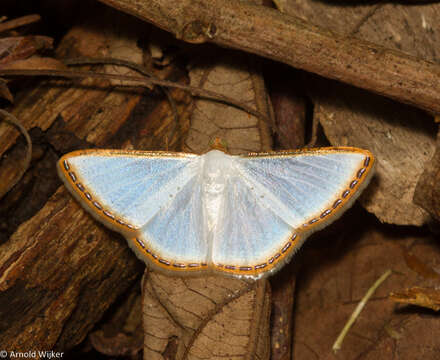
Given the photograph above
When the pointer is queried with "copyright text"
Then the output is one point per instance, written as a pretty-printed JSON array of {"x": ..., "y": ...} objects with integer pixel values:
[{"x": 34, "y": 354}]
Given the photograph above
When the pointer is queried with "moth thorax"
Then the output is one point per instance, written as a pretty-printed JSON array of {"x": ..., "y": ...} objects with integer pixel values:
[{"x": 216, "y": 169}]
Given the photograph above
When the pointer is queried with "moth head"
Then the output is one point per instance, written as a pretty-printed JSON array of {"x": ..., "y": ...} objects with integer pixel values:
[{"x": 219, "y": 144}]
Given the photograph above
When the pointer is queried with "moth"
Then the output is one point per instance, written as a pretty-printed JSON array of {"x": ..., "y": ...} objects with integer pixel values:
[{"x": 243, "y": 216}]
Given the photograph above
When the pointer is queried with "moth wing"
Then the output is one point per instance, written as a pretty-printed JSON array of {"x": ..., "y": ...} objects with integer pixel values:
[
  {"x": 137, "y": 193},
  {"x": 248, "y": 232},
  {"x": 276, "y": 200},
  {"x": 176, "y": 235}
]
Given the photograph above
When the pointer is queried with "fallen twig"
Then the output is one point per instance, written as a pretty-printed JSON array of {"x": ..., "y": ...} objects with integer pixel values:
[
  {"x": 21, "y": 21},
  {"x": 269, "y": 33},
  {"x": 203, "y": 93},
  {"x": 338, "y": 343}
]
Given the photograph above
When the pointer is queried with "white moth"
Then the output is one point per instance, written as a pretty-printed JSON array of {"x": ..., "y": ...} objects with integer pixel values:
[{"x": 239, "y": 215}]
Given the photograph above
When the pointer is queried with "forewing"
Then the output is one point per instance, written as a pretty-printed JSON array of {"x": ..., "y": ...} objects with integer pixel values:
[
  {"x": 125, "y": 189},
  {"x": 292, "y": 193}
]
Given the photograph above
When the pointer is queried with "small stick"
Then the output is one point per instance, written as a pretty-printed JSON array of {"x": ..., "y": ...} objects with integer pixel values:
[
  {"x": 202, "y": 93},
  {"x": 21, "y": 21},
  {"x": 338, "y": 343}
]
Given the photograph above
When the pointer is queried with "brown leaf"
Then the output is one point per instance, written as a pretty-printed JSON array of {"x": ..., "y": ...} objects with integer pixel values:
[
  {"x": 339, "y": 266},
  {"x": 425, "y": 297},
  {"x": 117, "y": 345},
  {"x": 231, "y": 74},
  {"x": 399, "y": 136},
  {"x": 17, "y": 48},
  {"x": 123, "y": 46},
  {"x": 207, "y": 317},
  {"x": 412, "y": 29},
  {"x": 418, "y": 266}
]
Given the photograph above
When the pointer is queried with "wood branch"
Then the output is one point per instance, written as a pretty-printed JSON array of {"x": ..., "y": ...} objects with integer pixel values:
[{"x": 268, "y": 33}]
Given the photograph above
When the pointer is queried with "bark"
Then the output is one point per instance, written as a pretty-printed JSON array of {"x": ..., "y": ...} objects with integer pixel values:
[{"x": 268, "y": 33}]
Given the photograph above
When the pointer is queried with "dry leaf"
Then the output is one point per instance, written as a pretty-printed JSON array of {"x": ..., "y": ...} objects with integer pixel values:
[
  {"x": 425, "y": 297},
  {"x": 418, "y": 266},
  {"x": 122, "y": 44},
  {"x": 205, "y": 318},
  {"x": 17, "y": 48},
  {"x": 231, "y": 74},
  {"x": 399, "y": 136},
  {"x": 412, "y": 29},
  {"x": 339, "y": 266}
]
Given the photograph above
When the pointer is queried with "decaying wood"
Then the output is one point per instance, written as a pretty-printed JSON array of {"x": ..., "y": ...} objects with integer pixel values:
[
  {"x": 289, "y": 111},
  {"x": 289, "y": 107},
  {"x": 282, "y": 321},
  {"x": 122, "y": 332},
  {"x": 24, "y": 162},
  {"x": 21, "y": 47},
  {"x": 60, "y": 270},
  {"x": 293, "y": 41},
  {"x": 427, "y": 193}
]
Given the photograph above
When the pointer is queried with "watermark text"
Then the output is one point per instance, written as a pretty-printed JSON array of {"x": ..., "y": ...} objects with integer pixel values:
[{"x": 32, "y": 354}]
